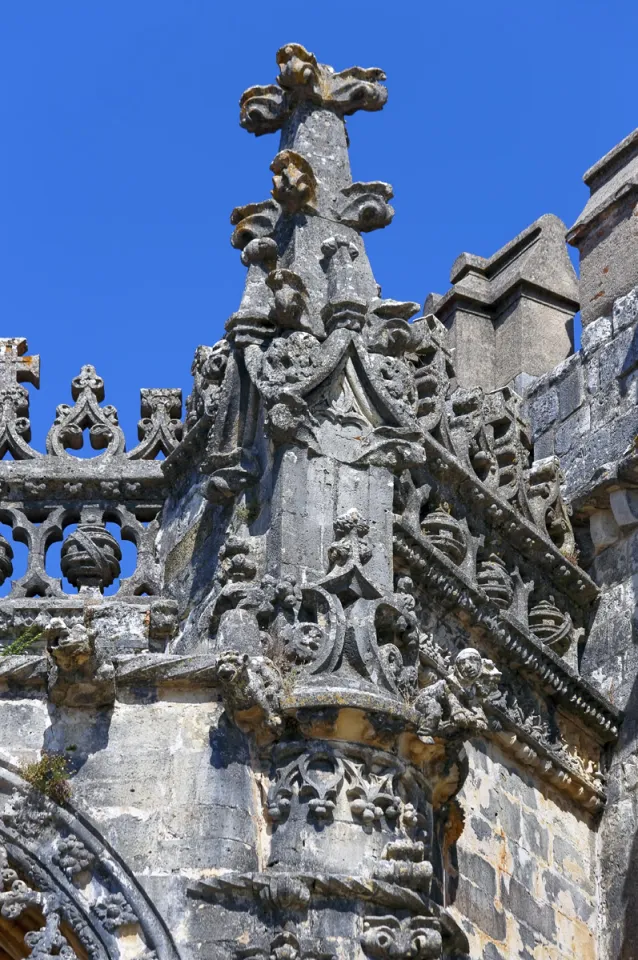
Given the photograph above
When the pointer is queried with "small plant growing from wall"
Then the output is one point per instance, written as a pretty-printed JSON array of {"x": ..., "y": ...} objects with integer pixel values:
[
  {"x": 22, "y": 643},
  {"x": 49, "y": 776}
]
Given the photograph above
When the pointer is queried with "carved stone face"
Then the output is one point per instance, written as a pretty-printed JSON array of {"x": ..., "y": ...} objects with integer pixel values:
[
  {"x": 306, "y": 641},
  {"x": 229, "y": 666},
  {"x": 469, "y": 665},
  {"x": 412, "y": 939}
]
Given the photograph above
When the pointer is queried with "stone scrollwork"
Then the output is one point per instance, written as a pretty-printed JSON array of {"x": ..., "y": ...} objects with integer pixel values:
[
  {"x": 254, "y": 221},
  {"x": 160, "y": 429},
  {"x": 16, "y": 368},
  {"x": 262, "y": 109},
  {"x": 299, "y": 71},
  {"x": 366, "y": 206},
  {"x": 549, "y": 511}
]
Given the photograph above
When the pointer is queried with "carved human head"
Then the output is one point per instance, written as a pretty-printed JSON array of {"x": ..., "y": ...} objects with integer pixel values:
[{"x": 469, "y": 664}]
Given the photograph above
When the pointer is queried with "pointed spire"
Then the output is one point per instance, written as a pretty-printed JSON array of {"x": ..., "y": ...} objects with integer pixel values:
[{"x": 307, "y": 266}]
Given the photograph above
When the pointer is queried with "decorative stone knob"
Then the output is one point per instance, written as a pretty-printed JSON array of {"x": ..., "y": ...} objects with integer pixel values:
[
  {"x": 445, "y": 533},
  {"x": 493, "y": 578},
  {"x": 551, "y": 626},
  {"x": 6, "y": 556},
  {"x": 91, "y": 556}
]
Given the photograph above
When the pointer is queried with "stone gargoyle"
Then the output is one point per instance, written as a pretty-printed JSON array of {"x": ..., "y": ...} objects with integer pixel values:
[
  {"x": 251, "y": 690},
  {"x": 78, "y": 675}
]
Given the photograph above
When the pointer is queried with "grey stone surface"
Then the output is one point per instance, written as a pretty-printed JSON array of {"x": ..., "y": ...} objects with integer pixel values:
[{"x": 357, "y": 697}]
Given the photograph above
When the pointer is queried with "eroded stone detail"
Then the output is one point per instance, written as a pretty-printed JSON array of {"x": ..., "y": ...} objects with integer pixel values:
[
  {"x": 455, "y": 704},
  {"x": 348, "y": 567}
]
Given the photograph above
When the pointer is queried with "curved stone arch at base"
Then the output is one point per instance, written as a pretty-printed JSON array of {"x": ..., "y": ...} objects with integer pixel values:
[{"x": 52, "y": 857}]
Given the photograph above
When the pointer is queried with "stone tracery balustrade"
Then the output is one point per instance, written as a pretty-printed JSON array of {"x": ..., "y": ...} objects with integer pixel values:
[{"x": 43, "y": 494}]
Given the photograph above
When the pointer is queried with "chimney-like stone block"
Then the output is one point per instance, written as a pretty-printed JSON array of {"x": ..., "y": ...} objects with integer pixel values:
[
  {"x": 606, "y": 233},
  {"x": 511, "y": 315}
]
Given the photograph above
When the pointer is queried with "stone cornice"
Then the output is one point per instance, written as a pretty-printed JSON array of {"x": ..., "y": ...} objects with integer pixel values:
[
  {"x": 540, "y": 665},
  {"x": 28, "y": 674},
  {"x": 516, "y": 529}
]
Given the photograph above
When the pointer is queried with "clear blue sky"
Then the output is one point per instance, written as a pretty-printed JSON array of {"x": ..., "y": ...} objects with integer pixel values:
[{"x": 122, "y": 156}]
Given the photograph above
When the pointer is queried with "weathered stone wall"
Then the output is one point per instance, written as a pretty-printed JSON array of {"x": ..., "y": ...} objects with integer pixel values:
[
  {"x": 584, "y": 411},
  {"x": 527, "y": 866},
  {"x": 171, "y": 789}
]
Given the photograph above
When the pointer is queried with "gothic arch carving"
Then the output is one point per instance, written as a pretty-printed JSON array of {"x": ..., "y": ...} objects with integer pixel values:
[{"x": 55, "y": 865}]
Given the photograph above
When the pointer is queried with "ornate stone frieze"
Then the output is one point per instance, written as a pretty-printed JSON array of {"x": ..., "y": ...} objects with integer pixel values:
[
  {"x": 314, "y": 773},
  {"x": 351, "y": 561},
  {"x": 453, "y": 591}
]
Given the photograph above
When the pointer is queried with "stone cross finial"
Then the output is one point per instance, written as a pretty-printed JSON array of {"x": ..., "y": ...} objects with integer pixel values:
[
  {"x": 15, "y": 367},
  {"x": 302, "y": 80}
]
